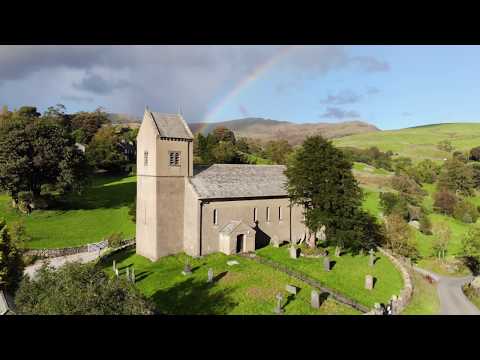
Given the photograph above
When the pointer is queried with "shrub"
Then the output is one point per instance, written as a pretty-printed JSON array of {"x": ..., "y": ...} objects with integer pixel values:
[
  {"x": 444, "y": 201},
  {"x": 11, "y": 266},
  {"x": 442, "y": 238},
  {"x": 79, "y": 289},
  {"x": 19, "y": 234},
  {"x": 466, "y": 212},
  {"x": 399, "y": 236},
  {"x": 115, "y": 240},
  {"x": 445, "y": 145},
  {"x": 408, "y": 188},
  {"x": 475, "y": 153},
  {"x": 393, "y": 203},
  {"x": 425, "y": 225}
]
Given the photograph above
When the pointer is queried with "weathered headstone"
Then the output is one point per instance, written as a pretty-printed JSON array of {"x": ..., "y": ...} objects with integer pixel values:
[
  {"x": 210, "y": 275},
  {"x": 326, "y": 263},
  {"x": 116, "y": 272},
  {"x": 369, "y": 282},
  {"x": 291, "y": 289},
  {"x": 378, "y": 309},
  {"x": 293, "y": 252},
  {"x": 133, "y": 275},
  {"x": 187, "y": 270},
  {"x": 114, "y": 265},
  {"x": 315, "y": 299},
  {"x": 338, "y": 251},
  {"x": 127, "y": 273},
  {"x": 278, "y": 306},
  {"x": 372, "y": 257}
]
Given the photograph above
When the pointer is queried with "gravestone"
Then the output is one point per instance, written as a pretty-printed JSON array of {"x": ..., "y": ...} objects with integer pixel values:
[
  {"x": 116, "y": 272},
  {"x": 369, "y": 282},
  {"x": 210, "y": 275},
  {"x": 278, "y": 307},
  {"x": 114, "y": 265},
  {"x": 187, "y": 270},
  {"x": 372, "y": 257},
  {"x": 315, "y": 299},
  {"x": 232, "y": 262},
  {"x": 291, "y": 289},
  {"x": 378, "y": 309},
  {"x": 293, "y": 252},
  {"x": 326, "y": 263},
  {"x": 127, "y": 273},
  {"x": 132, "y": 275},
  {"x": 338, "y": 251}
]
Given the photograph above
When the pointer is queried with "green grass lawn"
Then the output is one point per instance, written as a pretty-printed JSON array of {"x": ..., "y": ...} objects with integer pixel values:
[
  {"x": 248, "y": 288},
  {"x": 425, "y": 298},
  {"x": 99, "y": 212},
  {"x": 347, "y": 275},
  {"x": 420, "y": 142}
]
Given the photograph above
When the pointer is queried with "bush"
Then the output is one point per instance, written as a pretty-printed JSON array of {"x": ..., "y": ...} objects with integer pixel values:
[
  {"x": 399, "y": 237},
  {"x": 408, "y": 188},
  {"x": 115, "y": 240},
  {"x": 475, "y": 154},
  {"x": 466, "y": 212},
  {"x": 425, "y": 225},
  {"x": 444, "y": 201},
  {"x": 79, "y": 289}
]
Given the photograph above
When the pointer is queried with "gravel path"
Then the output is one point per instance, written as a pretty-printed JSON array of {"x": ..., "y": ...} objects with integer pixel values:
[
  {"x": 452, "y": 299},
  {"x": 62, "y": 260}
]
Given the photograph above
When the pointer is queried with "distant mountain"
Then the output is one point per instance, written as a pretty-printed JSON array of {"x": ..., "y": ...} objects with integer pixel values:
[
  {"x": 267, "y": 129},
  {"x": 124, "y": 119}
]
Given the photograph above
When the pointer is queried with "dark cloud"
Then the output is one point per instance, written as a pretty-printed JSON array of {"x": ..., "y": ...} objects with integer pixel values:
[
  {"x": 342, "y": 98},
  {"x": 98, "y": 85},
  {"x": 164, "y": 77},
  {"x": 337, "y": 113}
]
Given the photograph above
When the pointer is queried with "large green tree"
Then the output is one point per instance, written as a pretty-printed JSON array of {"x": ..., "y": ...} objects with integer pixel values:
[
  {"x": 79, "y": 289},
  {"x": 86, "y": 124},
  {"x": 11, "y": 265},
  {"x": 34, "y": 153},
  {"x": 457, "y": 176},
  {"x": 320, "y": 179},
  {"x": 104, "y": 151}
]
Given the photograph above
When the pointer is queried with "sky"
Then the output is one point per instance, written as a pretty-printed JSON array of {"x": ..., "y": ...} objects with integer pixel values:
[{"x": 391, "y": 87}]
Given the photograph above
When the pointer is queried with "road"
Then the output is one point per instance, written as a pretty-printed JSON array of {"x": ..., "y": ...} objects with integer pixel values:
[
  {"x": 62, "y": 260},
  {"x": 452, "y": 299}
]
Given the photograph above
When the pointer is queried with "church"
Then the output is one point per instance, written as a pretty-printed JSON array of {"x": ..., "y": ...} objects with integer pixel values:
[{"x": 228, "y": 208}]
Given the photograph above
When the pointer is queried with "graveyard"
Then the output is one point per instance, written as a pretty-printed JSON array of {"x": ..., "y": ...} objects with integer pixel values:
[
  {"x": 346, "y": 273},
  {"x": 244, "y": 287}
]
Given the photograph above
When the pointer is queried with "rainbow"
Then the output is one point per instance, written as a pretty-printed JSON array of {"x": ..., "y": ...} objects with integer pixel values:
[{"x": 247, "y": 81}]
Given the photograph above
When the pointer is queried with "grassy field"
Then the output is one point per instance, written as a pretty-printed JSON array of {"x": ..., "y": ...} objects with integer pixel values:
[
  {"x": 425, "y": 298},
  {"x": 248, "y": 288},
  {"x": 99, "y": 212},
  {"x": 419, "y": 142},
  {"x": 347, "y": 275}
]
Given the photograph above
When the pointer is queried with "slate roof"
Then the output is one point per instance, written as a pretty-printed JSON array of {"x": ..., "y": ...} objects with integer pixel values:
[
  {"x": 171, "y": 125},
  {"x": 240, "y": 181}
]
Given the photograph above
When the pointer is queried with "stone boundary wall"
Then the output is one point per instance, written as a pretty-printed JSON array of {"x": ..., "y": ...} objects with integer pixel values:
[
  {"x": 312, "y": 282},
  {"x": 52, "y": 253},
  {"x": 406, "y": 293},
  {"x": 105, "y": 257}
]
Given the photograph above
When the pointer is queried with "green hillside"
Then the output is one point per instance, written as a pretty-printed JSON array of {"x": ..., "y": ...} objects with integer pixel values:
[{"x": 418, "y": 142}]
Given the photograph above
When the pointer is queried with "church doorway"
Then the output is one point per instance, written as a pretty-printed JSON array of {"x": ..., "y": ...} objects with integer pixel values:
[{"x": 240, "y": 239}]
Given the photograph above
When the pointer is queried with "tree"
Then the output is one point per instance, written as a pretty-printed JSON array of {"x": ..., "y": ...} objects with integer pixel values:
[
  {"x": 104, "y": 151},
  {"x": 443, "y": 234},
  {"x": 87, "y": 124},
  {"x": 225, "y": 153},
  {"x": 475, "y": 153},
  {"x": 399, "y": 236},
  {"x": 457, "y": 176},
  {"x": 79, "y": 289},
  {"x": 445, "y": 145},
  {"x": 393, "y": 203},
  {"x": 278, "y": 151},
  {"x": 11, "y": 265},
  {"x": 36, "y": 153},
  {"x": 408, "y": 188},
  {"x": 402, "y": 165},
  {"x": 28, "y": 111},
  {"x": 426, "y": 171},
  {"x": 465, "y": 211},
  {"x": 471, "y": 247},
  {"x": 444, "y": 201},
  {"x": 425, "y": 224},
  {"x": 221, "y": 133},
  {"x": 320, "y": 179},
  {"x": 19, "y": 235}
]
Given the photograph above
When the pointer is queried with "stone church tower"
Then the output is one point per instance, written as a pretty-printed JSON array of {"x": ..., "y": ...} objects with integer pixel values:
[{"x": 164, "y": 162}]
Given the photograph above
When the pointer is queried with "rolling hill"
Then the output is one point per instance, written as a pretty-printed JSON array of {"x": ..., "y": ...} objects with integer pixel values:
[
  {"x": 266, "y": 129},
  {"x": 418, "y": 142}
]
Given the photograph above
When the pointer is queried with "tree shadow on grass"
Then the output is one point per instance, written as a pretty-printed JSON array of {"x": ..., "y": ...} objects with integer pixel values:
[
  {"x": 106, "y": 196},
  {"x": 191, "y": 297}
]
